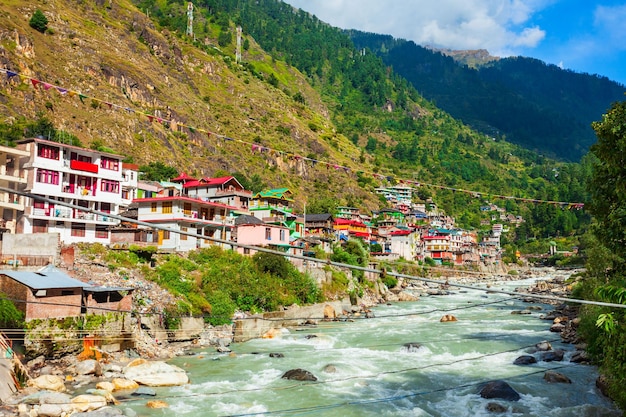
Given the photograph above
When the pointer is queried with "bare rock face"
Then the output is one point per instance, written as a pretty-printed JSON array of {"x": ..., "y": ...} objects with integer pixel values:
[
  {"x": 499, "y": 389},
  {"x": 299, "y": 375}
]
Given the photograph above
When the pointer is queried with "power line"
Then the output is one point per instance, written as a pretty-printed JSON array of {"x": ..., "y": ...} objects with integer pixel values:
[
  {"x": 256, "y": 147},
  {"x": 225, "y": 243}
]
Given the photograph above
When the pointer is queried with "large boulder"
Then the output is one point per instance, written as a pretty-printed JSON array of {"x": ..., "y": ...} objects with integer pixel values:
[
  {"x": 499, "y": 389},
  {"x": 553, "y": 376},
  {"x": 412, "y": 346},
  {"x": 329, "y": 312},
  {"x": 48, "y": 382},
  {"x": 103, "y": 412},
  {"x": 122, "y": 384},
  {"x": 156, "y": 374},
  {"x": 88, "y": 402},
  {"x": 299, "y": 375},
  {"x": 525, "y": 360},
  {"x": 89, "y": 367},
  {"x": 553, "y": 356}
]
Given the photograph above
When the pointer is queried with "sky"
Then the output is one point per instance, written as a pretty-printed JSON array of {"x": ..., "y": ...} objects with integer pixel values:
[{"x": 586, "y": 36}]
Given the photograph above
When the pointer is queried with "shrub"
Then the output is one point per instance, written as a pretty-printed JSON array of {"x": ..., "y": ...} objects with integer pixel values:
[
  {"x": 222, "y": 308},
  {"x": 39, "y": 21},
  {"x": 10, "y": 316}
]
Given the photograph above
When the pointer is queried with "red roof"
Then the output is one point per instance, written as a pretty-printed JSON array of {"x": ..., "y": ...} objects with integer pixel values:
[
  {"x": 341, "y": 221},
  {"x": 360, "y": 234},
  {"x": 216, "y": 181},
  {"x": 400, "y": 233},
  {"x": 183, "y": 177}
]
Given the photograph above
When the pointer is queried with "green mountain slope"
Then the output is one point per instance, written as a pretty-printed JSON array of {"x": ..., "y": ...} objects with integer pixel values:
[
  {"x": 313, "y": 113},
  {"x": 538, "y": 106}
]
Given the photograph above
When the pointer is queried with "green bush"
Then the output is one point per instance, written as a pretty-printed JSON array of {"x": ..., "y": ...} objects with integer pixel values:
[
  {"x": 222, "y": 308},
  {"x": 38, "y": 21},
  {"x": 10, "y": 316}
]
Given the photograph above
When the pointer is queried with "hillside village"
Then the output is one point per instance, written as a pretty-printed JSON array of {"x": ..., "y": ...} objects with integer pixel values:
[{"x": 111, "y": 205}]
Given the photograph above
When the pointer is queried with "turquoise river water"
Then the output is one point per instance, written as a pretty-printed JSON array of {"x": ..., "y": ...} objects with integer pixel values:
[{"x": 374, "y": 374}]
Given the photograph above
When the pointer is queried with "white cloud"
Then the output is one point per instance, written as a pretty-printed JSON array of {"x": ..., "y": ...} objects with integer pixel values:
[
  {"x": 610, "y": 23},
  {"x": 501, "y": 26}
]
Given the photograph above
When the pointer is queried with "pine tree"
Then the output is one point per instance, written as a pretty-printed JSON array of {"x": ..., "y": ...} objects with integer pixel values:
[{"x": 39, "y": 21}]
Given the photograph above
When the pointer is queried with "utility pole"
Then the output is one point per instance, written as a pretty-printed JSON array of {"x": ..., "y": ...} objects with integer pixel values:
[{"x": 190, "y": 19}]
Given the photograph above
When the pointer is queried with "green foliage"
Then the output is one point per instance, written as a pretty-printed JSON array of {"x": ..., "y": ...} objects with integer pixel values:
[
  {"x": 352, "y": 253},
  {"x": 222, "y": 308},
  {"x": 10, "y": 316},
  {"x": 157, "y": 171},
  {"x": 38, "y": 21}
]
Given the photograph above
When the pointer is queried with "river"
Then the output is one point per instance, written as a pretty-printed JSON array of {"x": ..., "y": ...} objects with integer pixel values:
[{"x": 374, "y": 374}]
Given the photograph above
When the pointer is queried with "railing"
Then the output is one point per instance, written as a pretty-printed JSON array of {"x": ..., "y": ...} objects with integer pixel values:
[
  {"x": 6, "y": 347},
  {"x": 65, "y": 213}
]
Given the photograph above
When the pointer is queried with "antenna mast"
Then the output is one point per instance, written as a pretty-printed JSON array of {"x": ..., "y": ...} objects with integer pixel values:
[
  {"x": 238, "y": 51},
  {"x": 190, "y": 19}
]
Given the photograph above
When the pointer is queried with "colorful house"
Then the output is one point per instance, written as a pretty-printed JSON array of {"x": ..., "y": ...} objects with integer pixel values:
[
  {"x": 224, "y": 190},
  {"x": 86, "y": 178},
  {"x": 195, "y": 218}
]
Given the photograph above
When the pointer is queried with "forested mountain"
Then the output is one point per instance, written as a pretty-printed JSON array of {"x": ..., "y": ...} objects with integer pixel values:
[
  {"x": 303, "y": 109},
  {"x": 538, "y": 106}
]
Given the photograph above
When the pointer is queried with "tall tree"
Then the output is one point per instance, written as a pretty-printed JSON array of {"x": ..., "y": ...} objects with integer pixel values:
[{"x": 608, "y": 182}]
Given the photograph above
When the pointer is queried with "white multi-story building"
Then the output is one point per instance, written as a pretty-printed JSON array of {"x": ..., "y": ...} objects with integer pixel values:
[
  {"x": 70, "y": 174},
  {"x": 12, "y": 178}
]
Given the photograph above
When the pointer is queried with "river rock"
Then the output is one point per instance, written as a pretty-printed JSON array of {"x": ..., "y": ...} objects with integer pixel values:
[
  {"x": 156, "y": 374},
  {"x": 553, "y": 356},
  {"x": 412, "y": 346},
  {"x": 525, "y": 360},
  {"x": 157, "y": 404},
  {"x": 329, "y": 369},
  {"x": 543, "y": 346},
  {"x": 521, "y": 312},
  {"x": 553, "y": 376},
  {"x": 299, "y": 375},
  {"x": 89, "y": 367},
  {"x": 144, "y": 392},
  {"x": 499, "y": 389},
  {"x": 50, "y": 410},
  {"x": 277, "y": 355},
  {"x": 329, "y": 312},
  {"x": 121, "y": 384},
  {"x": 106, "y": 386},
  {"x": 580, "y": 356},
  {"x": 448, "y": 318},
  {"x": 496, "y": 408},
  {"x": 103, "y": 412},
  {"x": 48, "y": 382},
  {"x": 88, "y": 402}
]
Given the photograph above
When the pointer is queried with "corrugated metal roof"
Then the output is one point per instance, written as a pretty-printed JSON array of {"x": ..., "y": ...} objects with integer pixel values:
[{"x": 44, "y": 279}]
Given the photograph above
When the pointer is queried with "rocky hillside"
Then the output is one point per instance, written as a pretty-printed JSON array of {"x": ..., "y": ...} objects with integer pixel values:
[{"x": 112, "y": 53}]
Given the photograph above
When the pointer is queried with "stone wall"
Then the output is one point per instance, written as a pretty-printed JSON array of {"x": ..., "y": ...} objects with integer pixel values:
[{"x": 54, "y": 338}]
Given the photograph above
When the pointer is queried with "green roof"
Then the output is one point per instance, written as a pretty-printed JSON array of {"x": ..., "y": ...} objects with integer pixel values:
[{"x": 279, "y": 193}]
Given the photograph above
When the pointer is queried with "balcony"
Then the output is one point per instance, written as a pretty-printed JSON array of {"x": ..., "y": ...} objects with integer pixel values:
[
  {"x": 83, "y": 166},
  {"x": 12, "y": 175},
  {"x": 60, "y": 213},
  {"x": 12, "y": 201}
]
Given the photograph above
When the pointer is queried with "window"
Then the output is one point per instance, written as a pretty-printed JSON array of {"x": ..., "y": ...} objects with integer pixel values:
[
  {"x": 102, "y": 232},
  {"x": 110, "y": 186},
  {"x": 78, "y": 229},
  {"x": 48, "y": 152},
  {"x": 81, "y": 158},
  {"x": 153, "y": 207},
  {"x": 187, "y": 209},
  {"x": 40, "y": 226},
  {"x": 105, "y": 207},
  {"x": 246, "y": 251},
  {"x": 109, "y": 163},
  {"x": 282, "y": 235},
  {"x": 47, "y": 176},
  {"x": 166, "y": 234},
  {"x": 167, "y": 207},
  {"x": 268, "y": 233},
  {"x": 183, "y": 236}
]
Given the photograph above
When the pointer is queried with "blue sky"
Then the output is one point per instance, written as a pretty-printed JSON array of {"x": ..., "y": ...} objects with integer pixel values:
[{"x": 580, "y": 35}]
